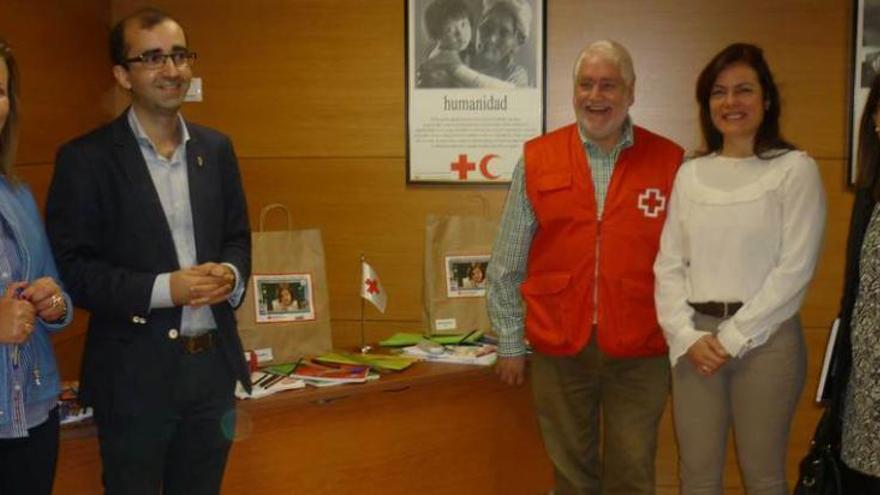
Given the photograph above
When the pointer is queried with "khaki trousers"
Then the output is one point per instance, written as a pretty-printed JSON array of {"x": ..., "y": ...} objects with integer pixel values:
[
  {"x": 572, "y": 392},
  {"x": 756, "y": 394}
]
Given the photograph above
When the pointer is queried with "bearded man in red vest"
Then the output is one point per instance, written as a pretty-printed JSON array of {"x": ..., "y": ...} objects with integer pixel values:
[{"x": 578, "y": 239}]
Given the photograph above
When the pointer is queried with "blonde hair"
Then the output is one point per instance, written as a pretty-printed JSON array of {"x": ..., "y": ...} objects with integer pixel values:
[{"x": 9, "y": 134}]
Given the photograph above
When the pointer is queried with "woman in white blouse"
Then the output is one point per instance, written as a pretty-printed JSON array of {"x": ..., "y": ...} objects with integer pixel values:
[{"x": 737, "y": 252}]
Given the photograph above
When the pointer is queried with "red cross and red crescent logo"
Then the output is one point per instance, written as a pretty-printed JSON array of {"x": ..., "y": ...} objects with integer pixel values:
[{"x": 463, "y": 166}]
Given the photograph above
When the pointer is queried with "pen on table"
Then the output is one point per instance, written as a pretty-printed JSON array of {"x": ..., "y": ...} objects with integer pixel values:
[
  {"x": 272, "y": 377},
  {"x": 295, "y": 366},
  {"x": 272, "y": 381},
  {"x": 467, "y": 336},
  {"x": 263, "y": 379}
]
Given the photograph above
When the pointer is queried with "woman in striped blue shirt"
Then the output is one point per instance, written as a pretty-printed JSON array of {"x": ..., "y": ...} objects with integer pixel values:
[{"x": 32, "y": 304}]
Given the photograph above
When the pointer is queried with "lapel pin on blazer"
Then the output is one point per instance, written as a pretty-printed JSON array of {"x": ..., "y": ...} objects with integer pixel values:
[{"x": 199, "y": 161}]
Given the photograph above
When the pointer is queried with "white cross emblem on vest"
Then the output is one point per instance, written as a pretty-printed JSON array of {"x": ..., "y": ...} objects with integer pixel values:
[{"x": 652, "y": 202}]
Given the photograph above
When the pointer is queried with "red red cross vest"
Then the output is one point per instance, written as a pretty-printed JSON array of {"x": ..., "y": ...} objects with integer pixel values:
[{"x": 575, "y": 260}]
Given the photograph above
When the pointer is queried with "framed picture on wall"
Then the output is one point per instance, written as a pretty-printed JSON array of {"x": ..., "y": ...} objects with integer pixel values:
[
  {"x": 475, "y": 77},
  {"x": 865, "y": 67}
]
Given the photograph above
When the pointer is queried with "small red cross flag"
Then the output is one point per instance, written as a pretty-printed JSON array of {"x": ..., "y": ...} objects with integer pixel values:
[{"x": 371, "y": 287}]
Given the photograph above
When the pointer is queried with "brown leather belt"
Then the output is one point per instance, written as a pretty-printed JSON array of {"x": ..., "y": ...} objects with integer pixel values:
[
  {"x": 717, "y": 309},
  {"x": 199, "y": 343}
]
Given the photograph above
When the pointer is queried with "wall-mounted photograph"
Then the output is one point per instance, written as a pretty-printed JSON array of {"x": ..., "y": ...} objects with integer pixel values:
[{"x": 475, "y": 87}]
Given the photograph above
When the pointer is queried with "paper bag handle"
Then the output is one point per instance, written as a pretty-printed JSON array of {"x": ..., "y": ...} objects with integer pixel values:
[{"x": 273, "y": 206}]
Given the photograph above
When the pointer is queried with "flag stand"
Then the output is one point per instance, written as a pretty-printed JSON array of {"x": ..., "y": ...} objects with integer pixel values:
[{"x": 364, "y": 347}]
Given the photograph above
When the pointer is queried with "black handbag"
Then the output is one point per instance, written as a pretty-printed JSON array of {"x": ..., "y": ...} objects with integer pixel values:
[{"x": 821, "y": 471}]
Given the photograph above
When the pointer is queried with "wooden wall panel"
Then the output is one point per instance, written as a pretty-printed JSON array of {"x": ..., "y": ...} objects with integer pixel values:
[
  {"x": 298, "y": 78},
  {"x": 345, "y": 172},
  {"x": 61, "y": 49},
  {"x": 363, "y": 206},
  {"x": 823, "y": 299},
  {"x": 806, "y": 43},
  {"x": 295, "y": 86},
  {"x": 312, "y": 93}
]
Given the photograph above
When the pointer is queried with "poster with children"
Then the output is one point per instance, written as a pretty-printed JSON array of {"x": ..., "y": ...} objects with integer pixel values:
[{"x": 475, "y": 86}]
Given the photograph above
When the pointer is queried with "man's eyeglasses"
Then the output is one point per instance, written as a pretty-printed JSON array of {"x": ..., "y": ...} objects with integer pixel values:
[{"x": 156, "y": 60}]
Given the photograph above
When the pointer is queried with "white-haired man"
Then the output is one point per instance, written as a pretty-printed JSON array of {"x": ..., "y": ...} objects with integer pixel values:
[{"x": 578, "y": 239}]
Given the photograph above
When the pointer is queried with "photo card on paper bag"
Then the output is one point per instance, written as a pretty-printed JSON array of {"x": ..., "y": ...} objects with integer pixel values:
[
  {"x": 284, "y": 297},
  {"x": 466, "y": 275}
]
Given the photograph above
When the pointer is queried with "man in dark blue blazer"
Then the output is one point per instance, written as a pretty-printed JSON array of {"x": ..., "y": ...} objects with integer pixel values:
[{"x": 148, "y": 222}]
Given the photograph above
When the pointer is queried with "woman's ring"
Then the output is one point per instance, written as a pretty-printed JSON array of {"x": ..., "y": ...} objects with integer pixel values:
[{"x": 56, "y": 300}]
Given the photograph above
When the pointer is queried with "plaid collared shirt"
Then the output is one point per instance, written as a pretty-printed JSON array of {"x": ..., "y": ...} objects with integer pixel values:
[
  {"x": 602, "y": 164},
  {"x": 507, "y": 268}
]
